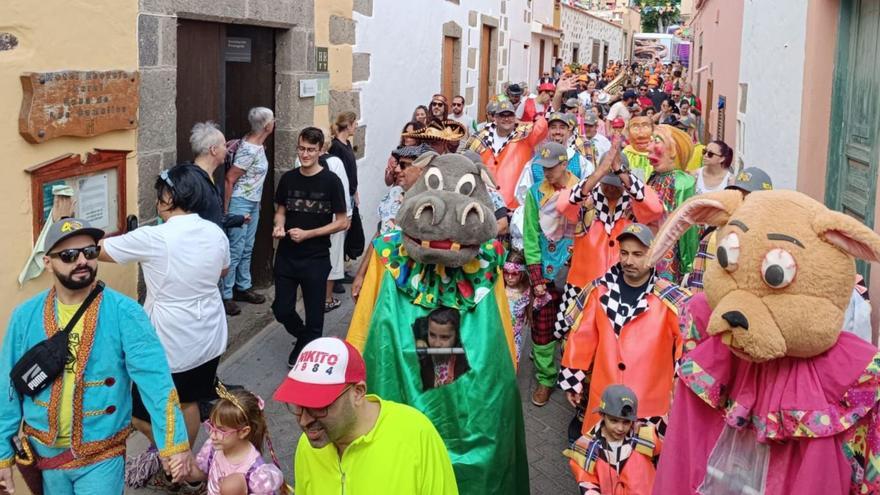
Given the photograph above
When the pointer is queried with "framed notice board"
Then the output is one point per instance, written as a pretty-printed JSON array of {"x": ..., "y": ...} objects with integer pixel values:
[{"x": 98, "y": 185}]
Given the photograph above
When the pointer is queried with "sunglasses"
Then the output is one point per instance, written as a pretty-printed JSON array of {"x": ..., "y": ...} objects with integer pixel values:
[
  {"x": 216, "y": 430},
  {"x": 438, "y": 104},
  {"x": 72, "y": 254},
  {"x": 710, "y": 154},
  {"x": 319, "y": 412}
]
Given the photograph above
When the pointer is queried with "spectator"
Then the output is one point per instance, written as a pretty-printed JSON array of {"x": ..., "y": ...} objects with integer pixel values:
[
  {"x": 244, "y": 189},
  {"x": 112, "y": 344},
  {"x": 620, "y": 110},
  {"x": 715, "y": 174},
  {"x": 209, "y": 147},
  {"x": 343, "y": 131},
  {"x": 379, "y": 446},
  {"x": 182, "y": 259},
  {"x": 391, "y": 166},
  {"x": 439, "y": 111},
  {"x": 644, "y": 101},
  {"x": 420, "y": 114},
  {"x": 514, "y": 94},
  {"x": 310, "y": 205},
  {"x": 458, "y": 115},
  {"x": 337, "y": 239}
]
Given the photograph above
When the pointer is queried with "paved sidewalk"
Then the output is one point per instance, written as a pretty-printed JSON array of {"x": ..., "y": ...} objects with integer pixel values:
[{"x": 261, "y": 364}]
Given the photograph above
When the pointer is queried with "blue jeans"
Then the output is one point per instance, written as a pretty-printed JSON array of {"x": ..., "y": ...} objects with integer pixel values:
[
  {"x": 241, "y": 246},
  {"x": 102, "y": 477}
]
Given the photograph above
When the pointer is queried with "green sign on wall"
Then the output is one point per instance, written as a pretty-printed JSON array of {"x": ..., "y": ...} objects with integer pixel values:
[{"x": 322, "y": 59}]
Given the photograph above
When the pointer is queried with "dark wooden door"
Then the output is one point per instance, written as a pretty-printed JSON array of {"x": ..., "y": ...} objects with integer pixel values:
[
  {"x": 199, "y": 78},
  {"x": 447, "y": 86},
  {"x": 485, "y": 64},
  {"x": 252, "y": 84},
  {"x": 851, "y": 182}
]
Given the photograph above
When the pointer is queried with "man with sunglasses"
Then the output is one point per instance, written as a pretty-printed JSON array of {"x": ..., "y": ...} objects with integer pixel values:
[
  {"x": 439, "y": 109},
  {"x": 459, "y": 116},
  {"x": 77, "y": 427},
  {"x": 353, "y": 442}
]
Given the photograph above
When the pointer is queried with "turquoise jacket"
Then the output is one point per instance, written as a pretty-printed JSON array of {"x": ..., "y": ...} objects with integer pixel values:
[{"x": 118, "y": 346}]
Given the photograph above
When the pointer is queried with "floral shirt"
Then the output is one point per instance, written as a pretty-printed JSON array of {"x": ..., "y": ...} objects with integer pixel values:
[
  {"x": 252, "y": 159},
  {"x": 388, "y": 208}
]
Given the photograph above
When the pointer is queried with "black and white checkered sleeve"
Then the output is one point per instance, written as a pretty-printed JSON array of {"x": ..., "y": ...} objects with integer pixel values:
[
  {"x": 571, "y": 379},
  {"x": 577, "y": 193},
  {"x": 636, "y": 188}
]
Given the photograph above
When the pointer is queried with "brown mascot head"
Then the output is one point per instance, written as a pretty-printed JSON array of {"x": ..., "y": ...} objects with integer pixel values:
[
  {"x": 783, "y": 272},
  {"x": 446, "y": 215}
]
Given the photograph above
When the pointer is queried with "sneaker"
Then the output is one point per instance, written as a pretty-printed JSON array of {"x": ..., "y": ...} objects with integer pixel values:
[
  {"x": 142, "y": 467},
  {"x": 338, "y": 287},
  {"x": 331, "y": 305},
  {"x": 231, "y": 308},
  {"x": 248, "y": 296},
  {"x": 541, "y": 395},
  {"x": 347, "y": 279}
]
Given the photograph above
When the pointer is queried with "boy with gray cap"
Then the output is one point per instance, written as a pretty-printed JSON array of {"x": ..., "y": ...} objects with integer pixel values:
[
  {"x": 547, "y": 241},
  {"x": 619, "y": 454}
]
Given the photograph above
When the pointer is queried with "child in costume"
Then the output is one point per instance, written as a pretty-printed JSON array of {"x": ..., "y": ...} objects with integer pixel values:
[
  {"x": 618, "y": 455},
  {"x": 231, "y": 458},
  {"x": 519, "y": 296},
  {"x": 774, "y": 398},
  {"x": 440, "y": 337}
]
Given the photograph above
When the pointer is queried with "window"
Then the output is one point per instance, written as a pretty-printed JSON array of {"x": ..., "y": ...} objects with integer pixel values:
[{"x": 442, "y": 357}]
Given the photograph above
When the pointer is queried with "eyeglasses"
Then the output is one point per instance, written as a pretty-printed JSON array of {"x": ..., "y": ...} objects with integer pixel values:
[
  {"x": 215, "y": 430},
  {"x": 710, "y": 154},
  {"x": 404, "y": 163},
  {"x": 166, "y": 178},
  {"x": 307, "y": 149},
  {"x": 317, "y": 413},
  {"x": 72, "y": 254},
  {"x": 438, "y": 104}
]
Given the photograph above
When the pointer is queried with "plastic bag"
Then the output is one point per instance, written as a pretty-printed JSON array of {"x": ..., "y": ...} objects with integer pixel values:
[{"x": 737, "y": 465}]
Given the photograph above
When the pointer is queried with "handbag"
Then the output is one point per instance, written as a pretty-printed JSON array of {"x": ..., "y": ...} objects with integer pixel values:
[
  {"x": 42, "y": 363},
  {"x": 354, "y": 237}
]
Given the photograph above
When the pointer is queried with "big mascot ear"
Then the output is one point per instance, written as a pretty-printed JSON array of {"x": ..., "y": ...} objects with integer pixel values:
[
  {"x": 848, "y": 234},
  {"x": 711, "y": 209}
]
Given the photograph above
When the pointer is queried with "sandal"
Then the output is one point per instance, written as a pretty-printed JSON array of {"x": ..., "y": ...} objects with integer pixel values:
[{"x": 331, "y": 305}]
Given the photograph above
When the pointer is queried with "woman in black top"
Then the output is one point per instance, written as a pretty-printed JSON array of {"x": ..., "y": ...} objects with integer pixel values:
[{"x": 342, "y": 131}]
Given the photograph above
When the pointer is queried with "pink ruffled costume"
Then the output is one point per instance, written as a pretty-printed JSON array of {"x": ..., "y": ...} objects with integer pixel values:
[
  {"x": 262, "y": 478},
  {"x": 786, "y": 426}
]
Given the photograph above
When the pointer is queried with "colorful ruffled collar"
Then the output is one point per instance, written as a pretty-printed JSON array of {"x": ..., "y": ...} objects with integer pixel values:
[{"x": 431, "y": 286}]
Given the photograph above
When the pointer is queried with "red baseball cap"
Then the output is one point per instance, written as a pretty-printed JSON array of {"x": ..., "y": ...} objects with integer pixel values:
[
  {"x": 618, "y": 123},
  {"x": 547, "y": 86},
  {"x": 323, "y": 369}
]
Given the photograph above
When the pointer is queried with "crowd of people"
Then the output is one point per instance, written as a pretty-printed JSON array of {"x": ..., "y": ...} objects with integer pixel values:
[{"x": 579, "y": 176}]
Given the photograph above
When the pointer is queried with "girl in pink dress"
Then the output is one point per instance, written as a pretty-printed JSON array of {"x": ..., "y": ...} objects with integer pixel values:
[{"x": 231, "y": 459}]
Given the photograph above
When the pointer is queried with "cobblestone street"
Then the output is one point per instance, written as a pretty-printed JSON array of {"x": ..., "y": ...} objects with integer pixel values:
[{"x": 260, "y": 365}]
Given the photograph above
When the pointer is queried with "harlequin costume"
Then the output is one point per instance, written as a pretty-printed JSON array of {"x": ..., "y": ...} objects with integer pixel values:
[
  {"x": 518, "y": 149},
  {"x": 774, "y": 398},
  {"x": 596, "y": 248},
  {"x": 118, "y": 346},
  {"x": 635, "y": 346},
  {"x": 445, "y": 255}
]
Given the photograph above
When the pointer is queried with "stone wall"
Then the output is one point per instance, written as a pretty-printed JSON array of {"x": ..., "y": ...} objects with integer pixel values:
[
  {"x": 582, "y": 30},
  {"x": 157, "y": 54}
]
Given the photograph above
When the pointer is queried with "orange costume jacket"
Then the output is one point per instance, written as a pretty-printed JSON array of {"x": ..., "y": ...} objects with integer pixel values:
[
  {"x": 508, "y": 164},
  {"x": 601, "y": 469},
  {"x": 642, "y": 355}
]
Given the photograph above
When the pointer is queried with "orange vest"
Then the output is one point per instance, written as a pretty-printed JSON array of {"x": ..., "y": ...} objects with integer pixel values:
[
  {"x": 636, "y": 477},
  {"x": 642, "y": 357},
  {"x": 596, "y": 251},
  {"x": 508, "y": 165}
]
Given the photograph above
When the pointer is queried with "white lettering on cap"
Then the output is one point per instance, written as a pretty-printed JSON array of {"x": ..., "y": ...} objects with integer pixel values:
[{"x": 322, "y": 362}]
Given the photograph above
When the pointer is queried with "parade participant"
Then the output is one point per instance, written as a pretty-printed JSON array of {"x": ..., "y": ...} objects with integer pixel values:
[
  {"x": 591, "y": 134},
  {"x": 547, "y": 244},
  {"x": 514, "y": 93},
  {"x": 639, "y": 132},
  {"x": 231, "y": 459},
  {"x": 618, "y": 455},
  {"x": 535, "y": 107},
  {"x": 625, "y": 332},
  {"x": 715, "y": 174},
  {"x": 309, "y": 206},
  {"x": 76, "y": 430},
  {"x": 391, "y": 166},
  {"x": 441, "y": 331},
  {"x": 355, "y": 442},
  {"x": 774, "y": 398},
  {"x": 446, "y": 254},
  {"x": 439, "y": 110},
  {"x": 643, "y": 100},
  {"x": 491, "y": 108},
  {"x": 572, "y": 106},
  {"x": 506, "y": 148},
  {"x": 209, "y": 147},
  {"x": 618, "y": 128},
  {"x": 620, "y": 110},
  {"x": 519, "y": 296},
  {"x": 669, "y": 152},
  {"x": 244, "y": 189},
  {"x": 442, "y": 137},
  {"x": 606, "y": 203}
]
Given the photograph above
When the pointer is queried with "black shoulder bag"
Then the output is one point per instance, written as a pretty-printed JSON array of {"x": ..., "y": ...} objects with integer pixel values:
[{"x": 42, "y": 363}]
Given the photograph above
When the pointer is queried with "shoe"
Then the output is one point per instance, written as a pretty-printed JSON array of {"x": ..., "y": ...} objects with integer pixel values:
[
  {"x": 347, "y": 279},
  {"x": 142, "y": 467},
  {"x": 231, "y": 308},
  {"x": 541, "y": 395},
  {"x": 248, "y": 296},
  {"x": 338, "y": 288},
  {"x": 331, "y": 305}
]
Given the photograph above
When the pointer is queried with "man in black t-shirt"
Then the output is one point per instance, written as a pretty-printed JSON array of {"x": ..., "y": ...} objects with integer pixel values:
[{"x": 310, "y": 205}]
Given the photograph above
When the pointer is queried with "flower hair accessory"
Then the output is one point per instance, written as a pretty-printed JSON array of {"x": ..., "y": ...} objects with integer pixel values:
[{"x": 512, "y": 267}]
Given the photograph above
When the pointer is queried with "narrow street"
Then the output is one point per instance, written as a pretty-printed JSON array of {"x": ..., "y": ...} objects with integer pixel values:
[{"x": 260, "y": 365}]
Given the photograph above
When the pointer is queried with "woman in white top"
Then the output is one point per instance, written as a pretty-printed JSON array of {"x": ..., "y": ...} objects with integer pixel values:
[
  {"x": 182, "y": 259},
  {"x": 715, "y": 173}
]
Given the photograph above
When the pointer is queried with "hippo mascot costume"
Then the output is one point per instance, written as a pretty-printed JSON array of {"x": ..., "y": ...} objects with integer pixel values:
[
  {"x": 445, "y": 255},
  {"x": 772, "y": 397}
]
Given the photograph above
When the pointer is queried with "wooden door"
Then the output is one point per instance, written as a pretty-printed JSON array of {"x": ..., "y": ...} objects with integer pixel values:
[
  {"x": 199, "y": 78},
  {"x": 247, "y": 85},
  {"x": 851, "y": 182},
  {"x": 485, "y": 66},
  {"x": 447, "y": 83},
  {"x": 540, "y": 59}
]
